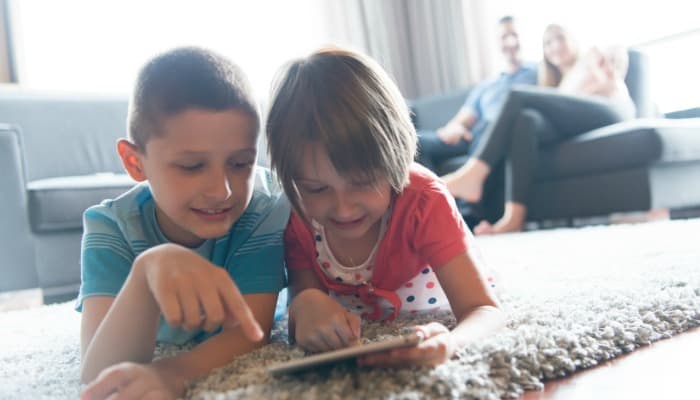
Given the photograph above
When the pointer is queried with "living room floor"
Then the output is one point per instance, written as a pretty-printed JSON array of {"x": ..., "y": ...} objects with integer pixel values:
[{"x": 666, "y": 369}]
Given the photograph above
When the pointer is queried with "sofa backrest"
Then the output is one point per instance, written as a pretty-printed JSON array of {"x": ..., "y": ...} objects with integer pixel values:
[{"x": 65, "y": 134}]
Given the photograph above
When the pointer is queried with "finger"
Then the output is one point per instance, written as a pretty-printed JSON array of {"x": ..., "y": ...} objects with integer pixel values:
[
  {"x": 337, "y": 336},
  {"x": 189, "y": 303},
  {"x": 312, "y": 344},
  {"x": 155, "y": 395},
  {"x": 212, "y": 308},
  {"x": 353, "y": 335},
  {"x": 431, "y": 329},
  {"x": 324, "y": 338},
  {"x": 170, "y": 307},
  {"x": 135, "y": 389},
  {"x": 237, "y": 307},
  {"x": 107, "y": 382}
]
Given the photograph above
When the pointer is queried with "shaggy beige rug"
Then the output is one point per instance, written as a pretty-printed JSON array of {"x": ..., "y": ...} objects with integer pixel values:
[{"x": 575, "y": 297}]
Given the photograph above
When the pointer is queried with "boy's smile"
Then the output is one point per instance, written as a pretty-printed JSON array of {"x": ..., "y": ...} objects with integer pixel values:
[{"x": 200, "y": 169}]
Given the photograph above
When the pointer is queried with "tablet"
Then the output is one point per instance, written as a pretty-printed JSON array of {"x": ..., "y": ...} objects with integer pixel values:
[{"x": 329, "y": 357}]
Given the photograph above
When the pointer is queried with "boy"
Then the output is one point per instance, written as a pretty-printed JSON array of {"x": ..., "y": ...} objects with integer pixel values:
[{"x": 202, "y": 218}]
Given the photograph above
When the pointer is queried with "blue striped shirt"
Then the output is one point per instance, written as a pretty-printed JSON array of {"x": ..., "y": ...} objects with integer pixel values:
[{"x": 117, "y": 231}]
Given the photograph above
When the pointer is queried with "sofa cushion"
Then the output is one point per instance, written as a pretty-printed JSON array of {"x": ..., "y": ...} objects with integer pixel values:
[
  {"x": 621, "y": 146},
  {"x": 57, "y": 204}
]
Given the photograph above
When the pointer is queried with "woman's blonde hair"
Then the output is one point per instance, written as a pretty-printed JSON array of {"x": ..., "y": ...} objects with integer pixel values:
[
  {"x": 548, "y": 74},
  {"x": 348, "y": 104}
]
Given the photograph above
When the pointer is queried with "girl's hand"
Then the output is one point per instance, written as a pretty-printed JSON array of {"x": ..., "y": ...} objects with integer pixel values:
[
  {"x": 321, "y": 324},
  {"x": 437, "y": 347},
  {"x": 131, "y": 381},
  {"x": 193, "y": 293}
]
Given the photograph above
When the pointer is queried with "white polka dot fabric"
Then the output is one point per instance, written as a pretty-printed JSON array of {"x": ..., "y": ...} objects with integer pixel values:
[{"x": 420, "y": 294}]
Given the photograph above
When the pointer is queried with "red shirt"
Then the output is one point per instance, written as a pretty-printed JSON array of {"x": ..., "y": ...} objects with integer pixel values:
[{"x": 424, "y": 228}]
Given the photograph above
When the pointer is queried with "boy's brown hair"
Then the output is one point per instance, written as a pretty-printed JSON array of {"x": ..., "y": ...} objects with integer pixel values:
[
  {"x": 184, "y": 78},
  {"x": 346, "y": 102}
]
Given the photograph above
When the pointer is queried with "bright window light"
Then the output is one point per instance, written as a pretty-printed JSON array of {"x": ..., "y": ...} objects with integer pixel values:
[
  {"x": 85, "y": 45},
  {"x": 673, "y": 65}
]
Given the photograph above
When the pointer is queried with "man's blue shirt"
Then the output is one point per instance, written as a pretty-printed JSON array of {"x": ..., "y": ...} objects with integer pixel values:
[{"x": 487, "y": 98}]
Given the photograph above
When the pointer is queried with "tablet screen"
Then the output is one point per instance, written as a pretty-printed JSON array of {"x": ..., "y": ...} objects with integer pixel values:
[{"x": 333, "y": 356}]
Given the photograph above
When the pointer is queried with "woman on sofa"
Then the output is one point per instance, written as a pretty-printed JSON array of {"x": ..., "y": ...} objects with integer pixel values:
[{"x": 575, "y": 95}]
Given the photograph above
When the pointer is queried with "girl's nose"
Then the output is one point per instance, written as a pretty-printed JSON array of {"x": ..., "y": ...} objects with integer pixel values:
[{"x": 344, "y": 205}]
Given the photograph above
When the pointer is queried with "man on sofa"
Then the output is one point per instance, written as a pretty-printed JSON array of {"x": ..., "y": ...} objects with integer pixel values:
[{"x": 461, "y": 134}]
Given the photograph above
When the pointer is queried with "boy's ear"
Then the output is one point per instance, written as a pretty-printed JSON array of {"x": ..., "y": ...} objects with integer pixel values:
[{"x": 131, "y": 159}]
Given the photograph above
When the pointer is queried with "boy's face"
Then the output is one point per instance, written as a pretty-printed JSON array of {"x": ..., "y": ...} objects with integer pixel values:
[{"x": 201, "y": 172}]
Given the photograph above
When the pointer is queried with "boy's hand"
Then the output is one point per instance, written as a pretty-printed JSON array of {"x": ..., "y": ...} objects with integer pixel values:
[
  {"x": 321, "y": 324},
  {"x": 436, "y": 348},
  {"x": 194, "y": 293},
  {"x": 131, "y": 381}
]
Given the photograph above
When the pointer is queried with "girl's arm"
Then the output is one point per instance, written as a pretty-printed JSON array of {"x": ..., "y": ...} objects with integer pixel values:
[
  {"x": 474, "y": 306},
  {"x": 316, "y": 321}
]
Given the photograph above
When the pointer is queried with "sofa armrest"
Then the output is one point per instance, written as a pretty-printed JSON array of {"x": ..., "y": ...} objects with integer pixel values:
[
  {"x": 17, "y": 269},
  {"x": 432, "y": 112}
]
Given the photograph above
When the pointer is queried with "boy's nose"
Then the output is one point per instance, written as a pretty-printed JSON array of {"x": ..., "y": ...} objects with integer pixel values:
[{"x": 219, "y": 187}]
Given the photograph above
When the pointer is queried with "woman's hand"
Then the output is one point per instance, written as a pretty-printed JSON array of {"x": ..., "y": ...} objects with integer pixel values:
[
  {"x": 321, "y": 324},
  {"x": 435, "y": 349}
]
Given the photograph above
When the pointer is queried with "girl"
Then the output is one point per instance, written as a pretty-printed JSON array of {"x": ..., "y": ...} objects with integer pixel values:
[
  {"x": 590, "y": 93},
  {"x": 373, "y": 235}
]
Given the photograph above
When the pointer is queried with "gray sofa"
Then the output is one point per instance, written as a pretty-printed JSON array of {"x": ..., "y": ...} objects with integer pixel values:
[
  {"x": 636, "y": 165},
  {"x": 57, "y": 154}
]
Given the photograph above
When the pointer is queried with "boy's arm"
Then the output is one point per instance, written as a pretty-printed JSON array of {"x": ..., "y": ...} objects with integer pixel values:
[
  {"x": 169, "y": 376},
  {"x": 106, "y": 340},
  {"x": 222, "y": 348},
  {"x": 169, "y": 280},
  {"x": 94, "y": 310}
]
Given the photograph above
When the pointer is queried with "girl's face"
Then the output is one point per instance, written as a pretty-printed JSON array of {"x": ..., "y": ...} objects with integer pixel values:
[
  {"x": 347, "y": 209},
  {"x": 558, "y": 49}
]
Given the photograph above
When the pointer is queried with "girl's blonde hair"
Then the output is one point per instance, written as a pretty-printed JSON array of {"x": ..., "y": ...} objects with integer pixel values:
[
  {"x": 548, "y": 74},
  {"x": 348, "y": 104}
]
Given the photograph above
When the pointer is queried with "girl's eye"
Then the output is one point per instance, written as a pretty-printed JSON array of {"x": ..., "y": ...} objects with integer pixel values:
[
  {"x": 363, "y": 185},
  {"x": 316, "y": 190}
]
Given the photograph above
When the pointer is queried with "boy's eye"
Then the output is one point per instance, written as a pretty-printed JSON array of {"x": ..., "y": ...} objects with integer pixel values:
[
  {"x": 191, "y": 167},
  {"x": 242, "y": 164}
]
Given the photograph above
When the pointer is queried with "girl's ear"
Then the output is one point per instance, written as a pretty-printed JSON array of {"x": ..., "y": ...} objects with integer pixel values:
[{"x": 131, "y": 159}]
